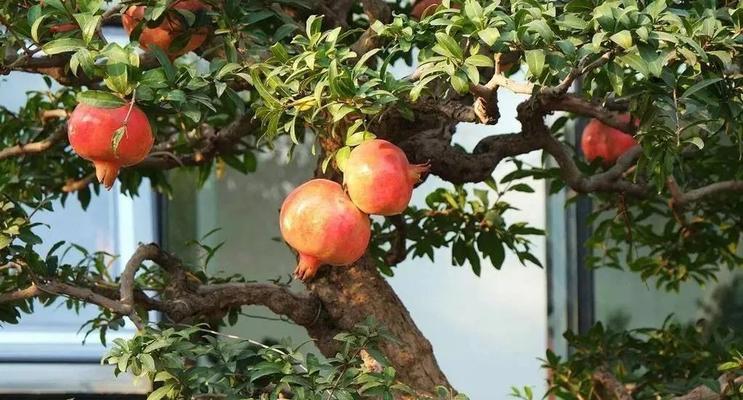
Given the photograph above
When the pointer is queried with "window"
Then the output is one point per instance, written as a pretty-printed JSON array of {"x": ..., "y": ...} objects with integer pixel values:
[{"x": 112, "y": 223}]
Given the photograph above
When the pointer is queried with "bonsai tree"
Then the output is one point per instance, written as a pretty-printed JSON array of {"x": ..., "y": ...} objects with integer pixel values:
[{"x": 214, "y": 82}]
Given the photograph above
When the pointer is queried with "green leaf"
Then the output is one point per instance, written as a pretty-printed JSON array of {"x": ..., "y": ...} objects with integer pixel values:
[
  {"x": 159, "y": 393},
  {"x": 472, "y": 73},
  {"x": 63, "y": 45},
  {"x": 227, "y": 69},
  {"x": 637, "y": 63},
  {"x": 265, "y": 94},
  {"x": 154, "y": 78},
  {"x": 116, "y": 139},
  {"x": 522, "y": 187},
  {"x": 623, "y": 39},
  {"x": 88, "y": 24},
  {"x": 699, "y": 86},
  {"x": 460, "y": 83},
  {"x": 479, "y": 60},
  {"x": 56, "y": 4},
  {"x": 615, "y": 73},
  {"x": 341, "y": 156},
  {"x": 489, "y": 35},
  {"x": 655, "y": 8},
  {"x": 36, "y": 25},
  {"x": 473, "y": 10},
  {"x": 164, "y": 61},
  {"x": 4, "y": 240},
  {"x": 447, "y": 46},
  {"x": 540, "y": 27},
  {"x": 359, "y": 137},
  {"x": 696, "y": 141},
  {"x": 148, "y": 363},
  {"x": 730, "y": 365},
  {"x": 535, "y": 61},
  {"x": 98, "y": 98}
]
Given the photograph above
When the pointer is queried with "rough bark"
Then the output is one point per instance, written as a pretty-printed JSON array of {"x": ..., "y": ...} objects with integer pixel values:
[{"x": 350, "y": 295}]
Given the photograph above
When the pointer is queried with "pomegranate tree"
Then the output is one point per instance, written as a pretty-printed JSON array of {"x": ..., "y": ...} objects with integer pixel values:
[
  {"x": 169, "y": 29},
  {"x": 110, "y": 137},
  {"x": 379, "y": 177},
  {"x": 602, "y": 141},
  {"x": 319, "y": 221}
]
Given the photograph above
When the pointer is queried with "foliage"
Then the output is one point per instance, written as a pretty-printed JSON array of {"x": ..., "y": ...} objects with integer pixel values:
[
  {"x": 656, "y": 363},
  {"x": 195, "y": 361}
]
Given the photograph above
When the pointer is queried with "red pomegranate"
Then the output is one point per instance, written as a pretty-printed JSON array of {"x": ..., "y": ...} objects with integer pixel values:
[
  {"x": 91, "y": 133},
  {"x": 422, "y": 6},
  {"x": 171, "y": 27},
  {"x": 600, "y": 140},
  {"x": 379, "y": 177},
  {"x": 320, "y": 222}
]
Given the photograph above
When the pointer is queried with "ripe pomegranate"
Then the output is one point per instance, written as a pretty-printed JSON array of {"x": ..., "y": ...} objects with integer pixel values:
[
  {"x": 320, "y": 222},
  {"x": 171, "y": 27},
  {"x": 600, "y": 140},
  {"x": 379, "y": 177},
  {"x": 91, "y": 133},
  {"x": 421, "y": 6}
]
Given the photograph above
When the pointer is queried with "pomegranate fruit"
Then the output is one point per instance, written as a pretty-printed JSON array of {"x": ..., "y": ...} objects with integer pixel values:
[
  {"x": 379, "y": 178},
  {"x": 319, "y": 221},
  {"x": 600, "y": 140},
  {"x": 171, "y": 27},
  {"x": 421, "y": 6},
  {"x": 92, "y": 130}
]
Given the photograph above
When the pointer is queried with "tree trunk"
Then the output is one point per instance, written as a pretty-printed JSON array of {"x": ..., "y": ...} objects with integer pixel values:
[{"x": 349, "y": 296}]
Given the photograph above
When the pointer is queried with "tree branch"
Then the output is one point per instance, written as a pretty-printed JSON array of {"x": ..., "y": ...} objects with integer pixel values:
[
  {"x": 609, "y": 181},
  {"x": 213, "y": 144},
  {"x": 21, "y": 294},
  {"x": 375, "y": 10},
  {"x": 182, "y": 299},
  {"x": 34, "y": 147},
  {"x": 578, "y": 105},
  {"x": 301, "y": 308},
  {"x": 611, "y": 385},
  {"x": 681, "y": 199},
  {"x": 126, "y": 290}
]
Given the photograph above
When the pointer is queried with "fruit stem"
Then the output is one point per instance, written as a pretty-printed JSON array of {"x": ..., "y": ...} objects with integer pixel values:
[
  {"x": 416, "y": 170},
  {"x": 307, "y": 267}
]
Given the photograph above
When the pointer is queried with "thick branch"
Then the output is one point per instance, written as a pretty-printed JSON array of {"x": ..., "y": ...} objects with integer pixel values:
[
  {"x": 126, "y": 290},
  {"x": 300, "y": 308},
  {"x": 457, "y": 166},
  {"x": 182, "y": 300}
]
